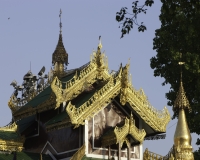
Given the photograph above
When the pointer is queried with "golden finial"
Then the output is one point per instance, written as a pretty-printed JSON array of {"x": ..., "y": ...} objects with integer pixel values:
[
  {"x": 100, "y": 45},
  {"x": 60, "y": 21},
  {"x": 181, "y": 101}
]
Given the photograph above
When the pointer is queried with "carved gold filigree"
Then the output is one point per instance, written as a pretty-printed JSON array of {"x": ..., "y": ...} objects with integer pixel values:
[
  {"x": 129, "y": 128},
  {"x": 137, "y": 100},
  {"x": 120, "y": 134},
  {"x": 124, "y": 83},
  {"x": 74, "y": 86},
  {"x": 100, "y": 99},
  {"x": 183, "y": 152},
  {"x": 79, "y": 154},
  {"x": 11, "y": 145},
  {"x": 12, "y": 127},
  {"x": 158, "y": 120},
  {"x": 14, "y": 104},
  {"x": 151, "y": 156}
]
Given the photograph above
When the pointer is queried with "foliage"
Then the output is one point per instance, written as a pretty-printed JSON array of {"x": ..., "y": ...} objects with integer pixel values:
[
  {"x": 180, "y": 33},
  {"x": 129, "y": 19}
]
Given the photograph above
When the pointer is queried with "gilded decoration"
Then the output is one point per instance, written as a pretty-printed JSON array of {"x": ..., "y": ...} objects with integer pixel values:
[
  {"x": 79, "y": 154},
  {"x": 181, "y": 99},
  {"x": 100, "y": 99},
  {"x": 97, "y": 69},
  {"x": 158, "y": 120},
  {"x": 124, "y": 75},
  {"x": 182, "y": 136},
  {"x": 120, "y": 134},
  {"x": 151, "y": 156},
  {"x": 11, "y": 127},
  {"x": 11, "y": 144}
]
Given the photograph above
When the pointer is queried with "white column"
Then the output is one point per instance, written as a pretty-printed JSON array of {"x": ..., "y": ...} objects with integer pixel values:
[{"x": 86, "y": 136}]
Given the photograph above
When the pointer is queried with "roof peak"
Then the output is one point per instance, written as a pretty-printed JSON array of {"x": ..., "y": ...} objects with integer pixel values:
[
  {"x": 181, "y": 101},
  {"x": 60, "y": 55}
]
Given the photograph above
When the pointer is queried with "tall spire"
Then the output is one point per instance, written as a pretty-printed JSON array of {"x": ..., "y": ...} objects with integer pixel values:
[
  {"x": 60, "y": 56},
  {"x": 60, "y": 22},
  {"x": 182, "y": 137}
]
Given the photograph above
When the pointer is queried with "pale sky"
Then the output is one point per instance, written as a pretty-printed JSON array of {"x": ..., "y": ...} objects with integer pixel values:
[{"x": 29, "y": 33}]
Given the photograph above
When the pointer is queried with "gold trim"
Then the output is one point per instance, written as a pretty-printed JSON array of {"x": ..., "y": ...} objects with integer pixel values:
[
  {"x": 147, "y": 155},
  {"x": 11, "y": 146},
  {"x": 11, "y": 127},
  {"x": 120, "y": 134}
]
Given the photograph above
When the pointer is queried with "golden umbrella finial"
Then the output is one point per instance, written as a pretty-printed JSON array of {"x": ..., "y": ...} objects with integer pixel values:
[{"x": 181, "y": 101}]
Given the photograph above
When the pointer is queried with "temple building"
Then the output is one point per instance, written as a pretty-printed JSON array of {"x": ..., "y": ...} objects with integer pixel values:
[{"x": 86, "y": 113}]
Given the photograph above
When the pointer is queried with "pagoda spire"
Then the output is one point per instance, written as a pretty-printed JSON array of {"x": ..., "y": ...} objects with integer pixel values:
[
  {"x": 60, "y": 56},
  {"x": 182, "y": 137}
]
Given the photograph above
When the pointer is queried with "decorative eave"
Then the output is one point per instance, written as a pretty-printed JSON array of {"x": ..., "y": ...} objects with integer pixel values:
[{"x": 119, "y": 135}]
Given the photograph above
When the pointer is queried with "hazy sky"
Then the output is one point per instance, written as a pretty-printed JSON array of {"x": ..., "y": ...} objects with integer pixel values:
[{"x": 29, "y": 33}]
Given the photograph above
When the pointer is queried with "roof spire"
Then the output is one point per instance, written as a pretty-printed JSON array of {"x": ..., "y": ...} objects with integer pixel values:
[
  {"x": 182, "y": 137},
  {"x": 60, "y": 56},
  {"x": 181, "y": 101},
  {"x": 60, "y": 24},
  {"x": 100, "y": 45}
]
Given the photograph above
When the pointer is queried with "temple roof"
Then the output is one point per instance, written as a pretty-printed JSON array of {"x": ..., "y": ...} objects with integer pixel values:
[{"x": 37, "y": 104}]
